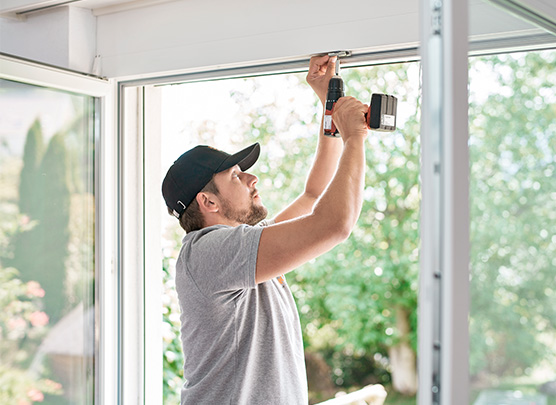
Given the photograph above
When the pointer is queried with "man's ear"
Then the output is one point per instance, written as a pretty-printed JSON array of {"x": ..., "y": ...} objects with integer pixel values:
[{"x": 207, "y": 202}]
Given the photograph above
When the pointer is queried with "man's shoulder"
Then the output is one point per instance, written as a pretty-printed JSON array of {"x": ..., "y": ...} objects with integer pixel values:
[{"x": 216, "y": 233}]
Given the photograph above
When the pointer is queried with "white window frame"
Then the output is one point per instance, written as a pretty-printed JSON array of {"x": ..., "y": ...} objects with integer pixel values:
[
  {"x": 443, "y": 335},
  {"x": 443, "y": 331},
  {"x": 140, "y": 251},
  {"x": 106, "y": 350}
]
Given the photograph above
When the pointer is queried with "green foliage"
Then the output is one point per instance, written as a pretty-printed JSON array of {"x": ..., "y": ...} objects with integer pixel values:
[
  {"x": 35, "y": 239},
  {"x": 30, "y": 173},
  {"x": 18, "y": 387},
  {"x": 350, "y": 299},
  {"x": 358, "y": 286},
  {"x": 172, "y": 351},
  {"x": 54, "y": 227},
  {"x": 45, "y": 246},
  {"x": 22, "y": 326},
  {"x": 21, "y": 321},
  {"x": 513, "y": 210}
]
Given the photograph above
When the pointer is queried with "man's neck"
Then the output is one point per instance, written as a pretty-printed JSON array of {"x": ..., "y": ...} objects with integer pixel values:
[{"x": 219, "y": 220}]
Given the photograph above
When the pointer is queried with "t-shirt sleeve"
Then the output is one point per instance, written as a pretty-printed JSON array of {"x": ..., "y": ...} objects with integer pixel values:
[{"x": 224, "y": 259}]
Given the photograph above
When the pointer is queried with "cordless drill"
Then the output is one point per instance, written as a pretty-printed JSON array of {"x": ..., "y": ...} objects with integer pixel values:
[
  {"x": 335, "y": 91},
  {"x": 381, "y": 115}
]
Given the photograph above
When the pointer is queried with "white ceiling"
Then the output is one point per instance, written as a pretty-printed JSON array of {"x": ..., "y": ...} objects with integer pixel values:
[
  {"x": 19, "y": 8},
  {"x": 13, "y": 8}
]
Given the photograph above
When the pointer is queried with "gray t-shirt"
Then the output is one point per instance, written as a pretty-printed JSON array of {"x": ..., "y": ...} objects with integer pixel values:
[{"x": 241, "y": 340}]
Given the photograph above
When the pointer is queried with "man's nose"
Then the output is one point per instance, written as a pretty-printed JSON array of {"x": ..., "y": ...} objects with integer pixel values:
[{"x": 250, "y": 179}]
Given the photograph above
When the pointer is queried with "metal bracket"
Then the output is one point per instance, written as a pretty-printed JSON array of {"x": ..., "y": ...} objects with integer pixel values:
[{"x": 339, "y": 54}]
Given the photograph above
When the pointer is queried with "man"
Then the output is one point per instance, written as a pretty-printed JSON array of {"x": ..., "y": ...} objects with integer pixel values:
[{"x": 239, "y": 324}]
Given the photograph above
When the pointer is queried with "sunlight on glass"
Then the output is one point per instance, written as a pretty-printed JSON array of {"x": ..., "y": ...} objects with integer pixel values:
[
  {"x": 513, "y": 223},
  {"x": 47, "y": 338}
]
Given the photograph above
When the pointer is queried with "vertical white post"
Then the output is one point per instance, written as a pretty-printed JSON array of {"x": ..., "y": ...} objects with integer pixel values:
[
  {"x": 106, "y": 367},
  {"x": 131, "y": 260},
  {"x": 444, "y": 285},
  {"x": 140, "y": 251},
  {"x": 455, "y": 191},
  {"x": 153, "y": 247}
]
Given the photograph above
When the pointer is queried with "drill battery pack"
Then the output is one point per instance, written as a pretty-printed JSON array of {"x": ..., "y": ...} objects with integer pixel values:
[{"x": 382, "y": 112}]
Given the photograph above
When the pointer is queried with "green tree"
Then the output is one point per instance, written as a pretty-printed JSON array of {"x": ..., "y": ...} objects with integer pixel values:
[
  {"x": 23, "y": 324},
  {"x": 53, "y": 228},
  {"x": 368, "y": 285},
  {"x": 30, "y": 173},
  {"x": 513, "y": 211},
  {"x": 360, "y": 298},
  {"x": 358, "y": 303},
  {"x": 40, "y": 253}
]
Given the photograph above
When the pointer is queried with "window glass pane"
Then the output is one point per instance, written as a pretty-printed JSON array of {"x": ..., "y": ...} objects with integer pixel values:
[
  {"x": 358, "y": 302},
  {"x": 47, "y": 306},
  {"x": 513, "y": 226}
]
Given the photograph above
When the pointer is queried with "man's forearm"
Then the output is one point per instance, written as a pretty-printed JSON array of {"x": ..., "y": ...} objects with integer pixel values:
[
  {"x": 324, "y": 164},
  {"x": 343, "y": 199}
]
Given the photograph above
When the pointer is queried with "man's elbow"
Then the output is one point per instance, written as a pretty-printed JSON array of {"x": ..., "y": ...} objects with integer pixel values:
[
  {"x": 340, "y": 230},
  {"x": 336, "y": 226}
]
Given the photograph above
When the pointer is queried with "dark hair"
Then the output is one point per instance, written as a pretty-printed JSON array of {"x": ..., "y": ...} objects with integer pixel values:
[{"x": 192, "y": 219}]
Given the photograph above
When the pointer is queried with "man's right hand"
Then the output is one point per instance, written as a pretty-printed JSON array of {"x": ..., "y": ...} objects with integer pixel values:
[{"x": 349, "y": 117}]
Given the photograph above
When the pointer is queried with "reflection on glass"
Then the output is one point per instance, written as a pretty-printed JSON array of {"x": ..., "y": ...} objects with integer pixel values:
[
  {"x": 46, "y": 246},
  {"x": 357, "y": 303},
  {"x": 513, "y": 226}
]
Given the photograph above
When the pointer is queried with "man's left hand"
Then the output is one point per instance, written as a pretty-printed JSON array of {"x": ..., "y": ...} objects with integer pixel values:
[{"x": 321, "y": 69}]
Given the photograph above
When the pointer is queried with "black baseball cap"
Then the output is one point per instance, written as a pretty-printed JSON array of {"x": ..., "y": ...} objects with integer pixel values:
[{"x": 193, "y": 170}]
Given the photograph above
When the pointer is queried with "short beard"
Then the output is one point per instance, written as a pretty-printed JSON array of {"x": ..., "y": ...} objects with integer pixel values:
[{"x": 251, "y": 216}]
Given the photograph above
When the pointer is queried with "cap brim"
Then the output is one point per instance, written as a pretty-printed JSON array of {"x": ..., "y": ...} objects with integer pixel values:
[{"x": 244, "y": 158}]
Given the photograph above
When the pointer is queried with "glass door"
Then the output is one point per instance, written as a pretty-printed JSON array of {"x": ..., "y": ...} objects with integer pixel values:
[
  {"x": 512, "y": 143},
  {"x": 49, "y": 255},
  {"x": 512, "y": 139}
]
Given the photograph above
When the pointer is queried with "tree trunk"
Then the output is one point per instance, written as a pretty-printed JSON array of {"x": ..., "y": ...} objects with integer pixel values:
[{"x": 402, "y": 357}]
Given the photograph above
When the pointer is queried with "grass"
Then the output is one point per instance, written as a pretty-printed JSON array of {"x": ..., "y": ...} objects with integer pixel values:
[{"x": 394, "y": 398}]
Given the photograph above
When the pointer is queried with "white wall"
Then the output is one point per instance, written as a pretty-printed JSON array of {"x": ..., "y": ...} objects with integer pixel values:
[
  {"x": 187, "y": 35},
  {"x": 42, "y": 37},
  {"x": 63, "y": 36}
]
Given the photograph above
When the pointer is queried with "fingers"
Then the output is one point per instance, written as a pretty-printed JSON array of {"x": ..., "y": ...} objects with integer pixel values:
[
  {"x": 321, "y": 69},
  {"x": 317, "y": 61},
  {"x": 322, "y": 64},
  {"x": 349, "y": 117},
  {"x": 331, "y": 67},
  {"x": 350, "y": 103}
]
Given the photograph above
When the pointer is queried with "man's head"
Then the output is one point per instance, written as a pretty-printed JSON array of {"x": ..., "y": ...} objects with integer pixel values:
[{"x": 205, "y": 184}]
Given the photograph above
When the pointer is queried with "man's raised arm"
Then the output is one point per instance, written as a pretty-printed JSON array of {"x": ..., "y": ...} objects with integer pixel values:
[
  {"x": 287, "y": 245},
  {"x": 321, "y": 69}
]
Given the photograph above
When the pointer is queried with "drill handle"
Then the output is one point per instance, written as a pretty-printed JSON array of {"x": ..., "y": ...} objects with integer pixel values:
[{"x": 335, "y": 91}]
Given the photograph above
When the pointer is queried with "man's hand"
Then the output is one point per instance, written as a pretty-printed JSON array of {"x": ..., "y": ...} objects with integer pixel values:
[
  {"x": 321, "y": 69},
  {"x": 349, "y": 117}
]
